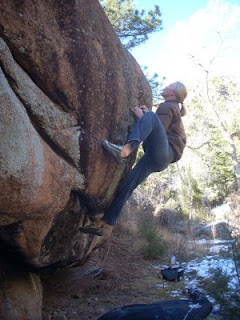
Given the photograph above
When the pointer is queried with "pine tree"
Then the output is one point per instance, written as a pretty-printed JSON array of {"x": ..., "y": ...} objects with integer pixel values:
[{"x": 132, "y": 25}]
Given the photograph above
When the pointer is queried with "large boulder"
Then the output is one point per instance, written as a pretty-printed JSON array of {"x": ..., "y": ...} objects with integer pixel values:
[
  {"x": 66, "y": 82},
  {"x": 216, "y": 229}
]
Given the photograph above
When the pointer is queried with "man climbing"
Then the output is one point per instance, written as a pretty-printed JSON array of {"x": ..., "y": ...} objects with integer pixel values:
[{"x": 164, "y": 139}]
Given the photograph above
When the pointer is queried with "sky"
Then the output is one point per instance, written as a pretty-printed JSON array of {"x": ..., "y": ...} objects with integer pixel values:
[{"x": 206, "y": 29}]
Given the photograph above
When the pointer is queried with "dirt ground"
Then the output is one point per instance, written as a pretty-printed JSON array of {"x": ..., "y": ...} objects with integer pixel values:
[
  {"x": 117, "y": 275},
  {"x": 114, "y": 277}
]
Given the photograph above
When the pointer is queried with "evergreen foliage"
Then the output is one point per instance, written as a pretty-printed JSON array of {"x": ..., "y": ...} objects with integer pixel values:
[
  {"x": 131, "y": 24},
  {"x": 156, "y": 85},
  {"x": 227, "y": 297},
  {"x": 155, "y": 246}
]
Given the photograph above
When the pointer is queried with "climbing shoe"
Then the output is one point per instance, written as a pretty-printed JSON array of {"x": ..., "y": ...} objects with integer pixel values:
[
  {"x": 114, "y": 150},
  {"x": 100, "y": 228},
  {"x": 92, "y": 229}
]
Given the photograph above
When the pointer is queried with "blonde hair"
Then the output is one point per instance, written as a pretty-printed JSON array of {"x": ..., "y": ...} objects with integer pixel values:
[{"x": 181, "y": 94}]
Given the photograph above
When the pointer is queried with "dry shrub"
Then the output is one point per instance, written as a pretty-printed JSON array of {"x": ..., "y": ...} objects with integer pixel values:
[
  {"x": 234, "y": 217},
  {"x": 128, "y": 222},
  {"x": 162, "y": 236},
  {"x": 177, "y": 245},
  {"x": 167, "y": 218}
]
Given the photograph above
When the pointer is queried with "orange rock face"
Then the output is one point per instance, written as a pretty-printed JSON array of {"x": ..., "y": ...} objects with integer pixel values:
[{"x": 66, "y": 83}]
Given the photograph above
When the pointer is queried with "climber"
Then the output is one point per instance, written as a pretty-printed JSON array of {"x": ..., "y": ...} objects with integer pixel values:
[
  {"x": 164, "y": 139},
  {"x": 198, "y": 308}
]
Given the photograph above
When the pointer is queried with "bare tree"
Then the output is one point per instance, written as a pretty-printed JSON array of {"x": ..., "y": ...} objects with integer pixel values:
[{"x": 217, "y": 120}]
